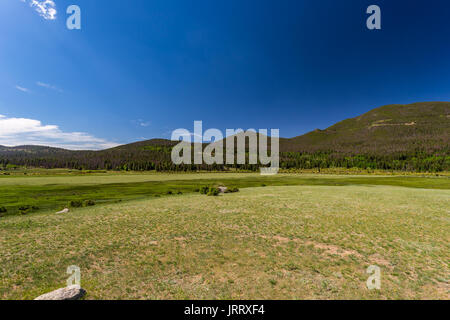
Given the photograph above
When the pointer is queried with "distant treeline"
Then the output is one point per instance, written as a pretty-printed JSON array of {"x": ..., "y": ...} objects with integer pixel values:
[
  {"x": 418, "y": 161},
  {"x": 148, "y": 158}
]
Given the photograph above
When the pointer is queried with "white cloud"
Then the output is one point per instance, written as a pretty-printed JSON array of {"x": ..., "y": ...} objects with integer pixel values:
[
  {"x": 141, "y": 123},
  {"x": 45, "y": 8},
  {"x": 22, "y": 89},
  {"x": 22, "y": 131},
  {"x": 48, "y": 86}
]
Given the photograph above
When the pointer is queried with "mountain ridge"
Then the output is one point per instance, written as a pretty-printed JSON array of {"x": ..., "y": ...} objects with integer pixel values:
[{"x": 387, "y": 133}]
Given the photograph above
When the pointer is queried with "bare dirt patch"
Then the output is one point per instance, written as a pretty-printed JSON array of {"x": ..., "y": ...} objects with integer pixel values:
[
  {"x": 379, "y": 260},
  {"x": 334, "y": 250},
  {"x": 326, "y": 248}
]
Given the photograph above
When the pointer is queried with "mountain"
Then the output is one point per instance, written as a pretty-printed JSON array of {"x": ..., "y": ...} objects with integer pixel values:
[
  {"x": 388, "y": 129},
  {"x": 143, "y": 155},
  {"x": 35, "y": 150},
  {"x": 402, "y": 137}
]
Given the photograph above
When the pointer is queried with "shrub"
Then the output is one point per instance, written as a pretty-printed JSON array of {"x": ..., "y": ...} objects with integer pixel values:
[
  {"x": 213, "y": 192},
  {"x": 3, "y": 210},
  {"x": 24, "y": 209},
  {"x": 88, "y": 203},
  {"x": 75, "y": 204},
  {"x": 169, "y": 192},
  {"x": 179, "y": 192},
  {"x": 204, "y": 190},
  {"x": 234, "y": 189}
]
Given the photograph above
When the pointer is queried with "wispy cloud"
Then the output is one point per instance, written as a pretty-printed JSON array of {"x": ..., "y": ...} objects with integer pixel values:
[
  {"x": 45, "y": 8},
  {"x": 48, "y": 86},
  {"x": 141, "y": 123},
  {"x": 22, "y": 131},
  {"x": 22, "y": 89}
]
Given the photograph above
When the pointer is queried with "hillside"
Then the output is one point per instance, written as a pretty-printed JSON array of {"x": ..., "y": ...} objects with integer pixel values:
[
  {"x": 388, "y": 129},
  {"x": 402, "y": 137}
]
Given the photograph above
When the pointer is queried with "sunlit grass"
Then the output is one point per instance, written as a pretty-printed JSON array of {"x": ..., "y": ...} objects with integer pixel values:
[
  {"x": 54, "y": 192},
  {"x": 274, "y": 242}
]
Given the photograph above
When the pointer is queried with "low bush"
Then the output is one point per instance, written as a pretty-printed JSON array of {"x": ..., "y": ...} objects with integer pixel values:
[
  {"x": 204, "y": 190},
  {"x": 24, "y": 209},
  {"x": 75, "y": 204},
  {"x": 88, "y": 203},
  {"x": 213, "y": 192},
  {"x": 3, "y": 210}
]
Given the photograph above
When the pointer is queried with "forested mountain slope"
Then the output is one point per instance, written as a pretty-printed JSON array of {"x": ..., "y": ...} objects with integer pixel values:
[{"x": 412, "y": 137}]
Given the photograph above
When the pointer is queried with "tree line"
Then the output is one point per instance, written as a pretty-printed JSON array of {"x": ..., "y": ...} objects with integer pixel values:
[{"x": 159, "y": 159}]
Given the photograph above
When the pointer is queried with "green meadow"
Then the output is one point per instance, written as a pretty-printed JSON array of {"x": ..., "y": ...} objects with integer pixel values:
[
  {"x": 289, "y": 236},
  {"x": 53, "y": 192}
]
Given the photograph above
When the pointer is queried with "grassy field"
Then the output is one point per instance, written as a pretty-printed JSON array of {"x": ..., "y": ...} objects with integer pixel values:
[
  {"x": 53, "y": 192},
  {"x": 300, "y": 237}
]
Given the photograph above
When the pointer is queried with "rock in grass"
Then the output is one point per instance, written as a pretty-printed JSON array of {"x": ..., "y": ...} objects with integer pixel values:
[
  {"x": 65, "y": 210},
  {"x": 68, "y": 293},
  {"x": 223, "y": 189}
]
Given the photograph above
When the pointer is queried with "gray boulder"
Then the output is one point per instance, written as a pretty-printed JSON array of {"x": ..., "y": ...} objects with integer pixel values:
[
  {"x": 223, "y": 189},
  {"x": 68, "y": 293}
]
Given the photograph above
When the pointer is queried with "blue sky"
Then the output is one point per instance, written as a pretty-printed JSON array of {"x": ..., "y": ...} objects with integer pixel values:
[{"x": 140, "y": 69}]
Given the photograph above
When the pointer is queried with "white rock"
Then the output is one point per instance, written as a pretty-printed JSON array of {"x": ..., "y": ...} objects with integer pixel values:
[
  {"x": 68, "y": 293},
  {"x": 223, "y": 189},
  {"x": 65, "y": 210}
]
